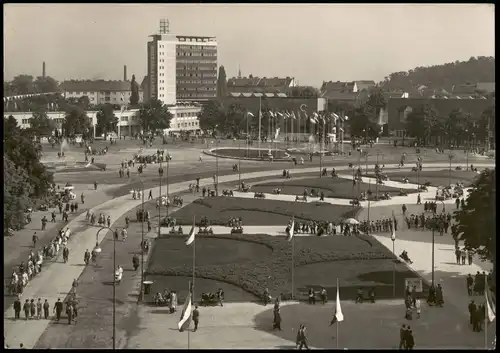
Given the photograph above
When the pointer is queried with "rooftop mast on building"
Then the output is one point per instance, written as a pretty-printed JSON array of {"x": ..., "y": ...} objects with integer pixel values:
[{"x": 164, "y": 26}]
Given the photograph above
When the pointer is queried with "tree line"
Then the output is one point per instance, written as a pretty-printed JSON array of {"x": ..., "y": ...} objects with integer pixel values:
[
  {"x": 480, "y": 69},
  {"x": 459, "y": 128}
]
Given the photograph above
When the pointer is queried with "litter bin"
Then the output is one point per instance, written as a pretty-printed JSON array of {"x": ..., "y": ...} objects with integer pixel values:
[{"x": 147, "y": 286}]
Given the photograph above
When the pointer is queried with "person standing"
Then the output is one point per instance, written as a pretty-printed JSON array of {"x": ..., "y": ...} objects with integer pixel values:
[
  {"x": 418, "y": 307},
  {"x": 58, "y": 308},
  {"x": 26, "y": 308},
  {"x": 220, "y": 296},
  {"x": 303, "y": 338},
  {"x": 17, "y": 308},
  {"x": 65, "y": 254},
  {"x": 46, "y": 307},
  {"x": 470, "y": 284},
  {"x": 410, "y": 340},
  {"x": 196, "y": 317},
  {"x": 69, "y": 312},
  {"x": 297, "y": 340},
  {"x": 277, "y": 319},
  {"x": 39, "y": 309},
  {"x": 34, "y": 239},
  {"x": 402, "y": 337},
  {"x": 82, "y": 198},
  {"x": 472, "y": 314},
  {"x": 32, "y": 308},
  {"x": 150, "y": 197}
]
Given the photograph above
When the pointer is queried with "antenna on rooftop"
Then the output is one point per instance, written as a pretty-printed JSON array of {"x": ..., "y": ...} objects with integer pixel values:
[{"x": 164, "y": 26}]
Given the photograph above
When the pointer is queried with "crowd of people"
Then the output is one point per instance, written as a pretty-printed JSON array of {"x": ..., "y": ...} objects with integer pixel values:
[{"x": 322, "y": 228}]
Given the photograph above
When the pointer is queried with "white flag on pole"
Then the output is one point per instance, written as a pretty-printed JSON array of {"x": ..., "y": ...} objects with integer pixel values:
[
  {"x": 277, "y": 133},
  {"x": 251, "y": 114},
  {"x": 292, "y": 227},
  {"x": 191, "y": 234},
  {"x": 186, "y": 314},
  {"x": 490, "y": 303},
  {"x": 338, "y": 310},
  {"x": 393, "y": 234}
]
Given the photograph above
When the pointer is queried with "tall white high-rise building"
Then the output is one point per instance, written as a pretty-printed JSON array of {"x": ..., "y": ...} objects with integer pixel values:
[{"x": 181, "y": 68}]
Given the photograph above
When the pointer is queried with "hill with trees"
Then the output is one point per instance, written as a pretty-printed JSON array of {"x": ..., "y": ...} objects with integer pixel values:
[{"x": 480, "y": 69}]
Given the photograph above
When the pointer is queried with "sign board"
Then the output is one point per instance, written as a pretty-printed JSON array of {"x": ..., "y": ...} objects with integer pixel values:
[{"x": 417, "y": 282}]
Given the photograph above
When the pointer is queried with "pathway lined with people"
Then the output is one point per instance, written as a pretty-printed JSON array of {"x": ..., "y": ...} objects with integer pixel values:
[{"x": 55, "y": 280}]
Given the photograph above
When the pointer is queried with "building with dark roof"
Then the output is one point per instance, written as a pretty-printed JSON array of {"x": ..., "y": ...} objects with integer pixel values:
[
  {"x": 273, "y": 85},
  {"x": 100, "y": 91}
]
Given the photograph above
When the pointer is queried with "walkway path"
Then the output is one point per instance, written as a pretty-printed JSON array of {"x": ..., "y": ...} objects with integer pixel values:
[{"x": 55, "y": 280}]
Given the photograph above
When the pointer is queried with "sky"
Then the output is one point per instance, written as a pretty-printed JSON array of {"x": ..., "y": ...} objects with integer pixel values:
[{"x": 313, "y": 42}]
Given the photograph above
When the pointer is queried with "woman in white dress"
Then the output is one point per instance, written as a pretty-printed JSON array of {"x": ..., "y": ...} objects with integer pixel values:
[{"x": 418, "y": 307}]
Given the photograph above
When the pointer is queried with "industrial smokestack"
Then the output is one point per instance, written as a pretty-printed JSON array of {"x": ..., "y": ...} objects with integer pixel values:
[
  {"x": 124, "y": 72},
  {"x": 43, "y": 70}
]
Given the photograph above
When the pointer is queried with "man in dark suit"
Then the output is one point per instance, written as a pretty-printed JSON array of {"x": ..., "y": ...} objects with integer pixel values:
[
  {"x": 402, "y": 337},
  {"x": 17, "y": 309},
  {"x": 196, "y": 318},
  {"x": 58, "y": 308},
  {"x": 472, "y": 314}
]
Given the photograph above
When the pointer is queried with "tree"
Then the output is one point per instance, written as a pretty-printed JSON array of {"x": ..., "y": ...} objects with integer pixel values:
[
  {"x": 106, "y": 119},
  {"x": 211, "y": 116},
  {"x": 16, "y": 195},
  {"x": 22, "y": 84},
  {"x": 476, "y": 222},
  {"x": 376, "y": 102},
  {"x": 234, "y": 120},
  {"x": 83, "y": 102},
  {"x": 134, "y": 89},
  {"x": 457, "y": 125},
  {"x": 422, "y": 123},
  {"x": 154, "y": 116},
  {"x": 361, "y": 125},
  {"x": 76, "y": 122},
  {"x": 41, "y": 125},
  {"x": 46, "y": 85},
  {"x": 222, "y": 83}
]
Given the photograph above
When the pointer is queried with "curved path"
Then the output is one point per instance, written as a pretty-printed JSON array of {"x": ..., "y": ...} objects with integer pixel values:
[{"x": 57, "y": 278}]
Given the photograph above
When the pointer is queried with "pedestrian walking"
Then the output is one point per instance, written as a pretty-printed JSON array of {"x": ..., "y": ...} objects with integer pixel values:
[
  {"x": 46, "y": 307},
  {"x": 26, "y": 308},
  {"x": 277, "y": 319},
  {"x": 34, "y": 239},
  {"x": 196, "y": 317},
  {"x": 82, "y": 198},
  {"x": 149, "y": 226},
  {"x": 108, "y": 220},
  {"x": 69, "y": 312},
  {"x": 39, "y": 307},
  {"x": 303, "y": 338},
  {"x": 150, "y": 197},
  {"x": 402, "y": 337},
  {"x": 418, "y": 307},
  {"x": 58, "y": 308},
  {"x": 17, "y": 308}
]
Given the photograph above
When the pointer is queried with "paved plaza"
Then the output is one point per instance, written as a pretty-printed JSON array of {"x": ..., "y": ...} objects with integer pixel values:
[{"x": 56, "y": 278}]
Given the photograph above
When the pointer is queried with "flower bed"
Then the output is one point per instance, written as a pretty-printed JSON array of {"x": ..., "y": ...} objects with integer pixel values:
[
  {"x": 219, "y": 210},
  {"x": 336, "y": 188},
  {"x": 273, "y": 272}
]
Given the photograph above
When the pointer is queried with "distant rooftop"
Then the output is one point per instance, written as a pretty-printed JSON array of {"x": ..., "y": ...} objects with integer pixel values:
[{"x": 94, "y": 85}]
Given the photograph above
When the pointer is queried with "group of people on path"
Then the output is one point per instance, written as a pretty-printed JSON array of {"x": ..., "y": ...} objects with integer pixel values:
[{"x": 38, "y": 310}]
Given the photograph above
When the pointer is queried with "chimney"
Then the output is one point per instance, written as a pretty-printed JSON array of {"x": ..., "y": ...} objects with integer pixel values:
[
  {"x": 124, "y": 72},
  {"x": 43, "y": 70}
]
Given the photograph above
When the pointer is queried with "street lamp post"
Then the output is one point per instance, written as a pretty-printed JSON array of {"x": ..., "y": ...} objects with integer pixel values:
[
  {"x": 114, "y": 280},
  {"x": 450, "y": 157},
  {"x": 141, "y": 293},
  {"x": 433, "y": 246},
  {"x": 239, "y": 168},
  {"x": 393, "y": 267},
  {"x": 216, "y": 181},
  {"x": 160, "y": 172}
]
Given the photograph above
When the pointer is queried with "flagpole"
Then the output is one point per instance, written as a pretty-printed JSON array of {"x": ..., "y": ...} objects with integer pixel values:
[
  {"x": 293, "y": 267},
  {"x": 486, "y": 324},
  {"x": 260, "y": 122},
  {"x": 188, "y": 329},
  {"x": 194, "y": 257},
  {"x": 338, "y": 322}
]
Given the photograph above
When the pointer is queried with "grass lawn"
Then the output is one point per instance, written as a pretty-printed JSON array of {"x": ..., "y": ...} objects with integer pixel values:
[
  {"x": 436, "y": 178},
  {"x": 250, "y": 153},
  {"x": 220, "y": 209},
  {"x": 256, "y": 262},
  {"x": 337, "y": 188}
]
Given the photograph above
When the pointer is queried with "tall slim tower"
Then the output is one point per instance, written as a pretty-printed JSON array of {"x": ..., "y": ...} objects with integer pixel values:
[
  {"x": 43, "y": 70},
  {"x": 124, "y": 72}
]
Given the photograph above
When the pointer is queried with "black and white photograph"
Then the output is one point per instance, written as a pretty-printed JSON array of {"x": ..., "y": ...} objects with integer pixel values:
[{"x": 249, "y": 176}]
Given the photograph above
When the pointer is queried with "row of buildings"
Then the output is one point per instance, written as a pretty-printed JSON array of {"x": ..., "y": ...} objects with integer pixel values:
[{"x": 182, "y": 73}]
